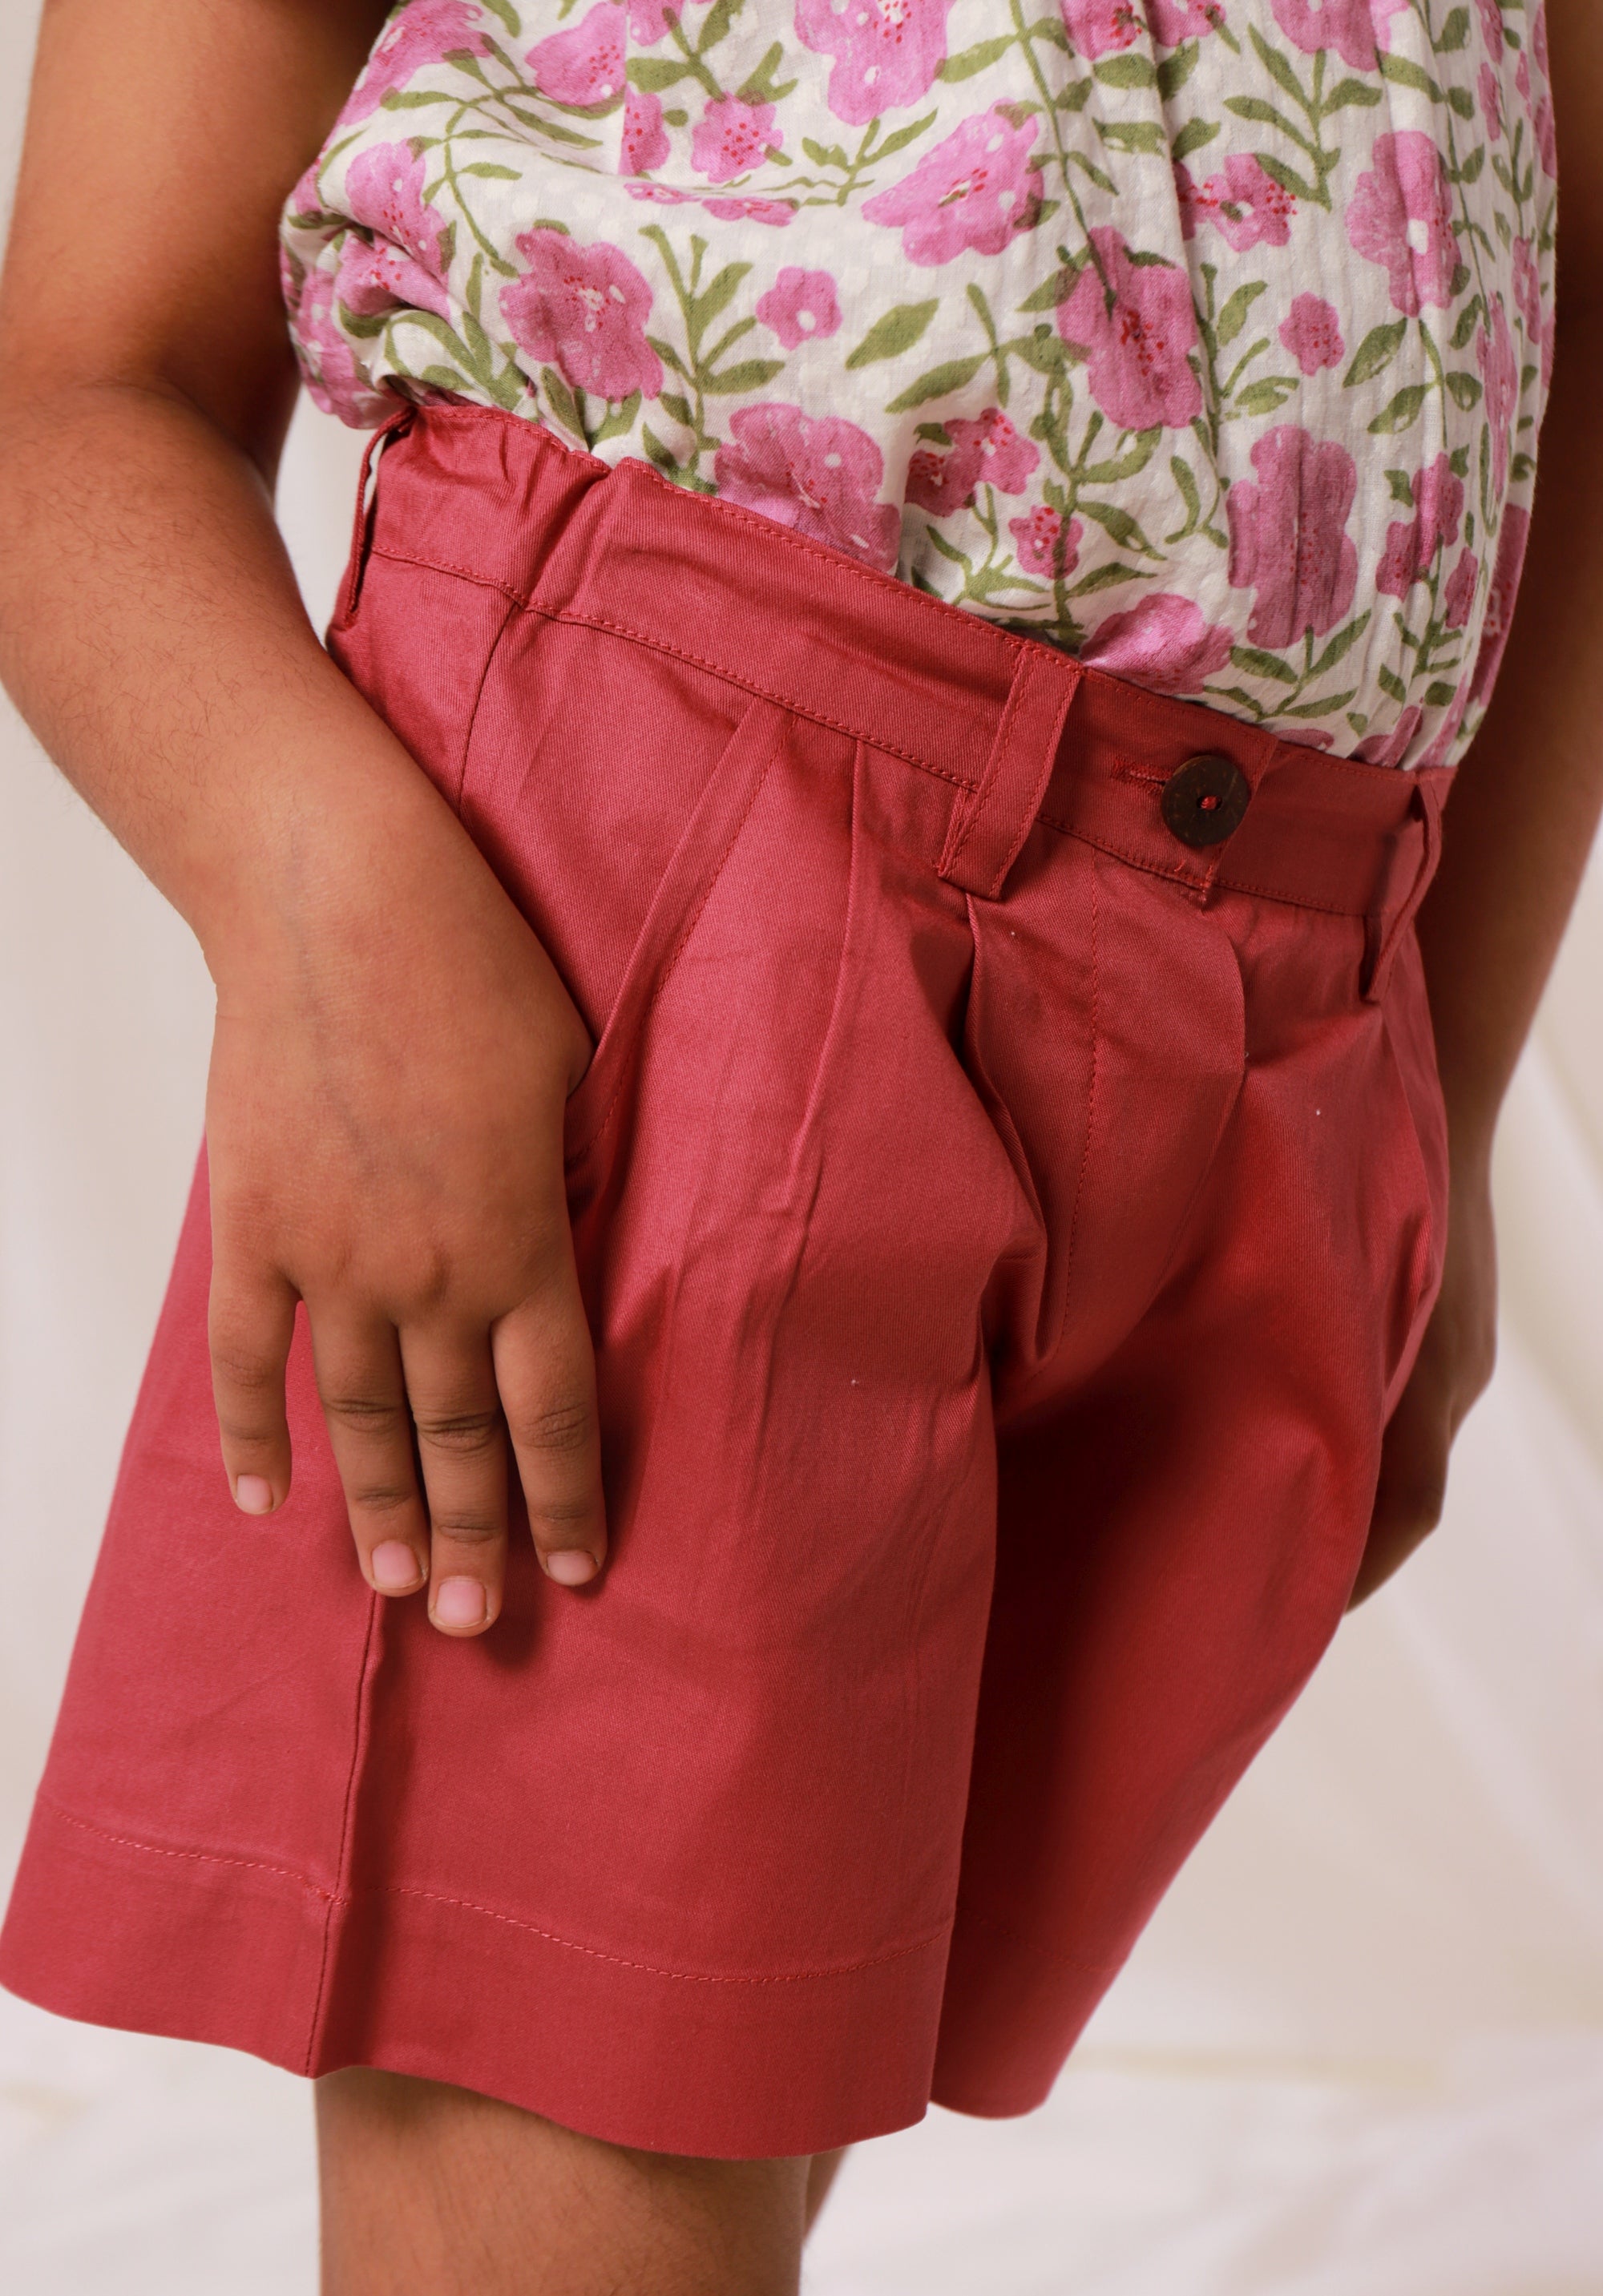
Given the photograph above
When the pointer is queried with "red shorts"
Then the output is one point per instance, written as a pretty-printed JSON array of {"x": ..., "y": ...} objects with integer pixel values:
[{"x": 1008, "y": 1190}]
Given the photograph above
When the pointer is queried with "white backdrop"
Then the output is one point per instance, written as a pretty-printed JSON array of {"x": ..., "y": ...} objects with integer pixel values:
[{"x": 1360, "y": 2051}]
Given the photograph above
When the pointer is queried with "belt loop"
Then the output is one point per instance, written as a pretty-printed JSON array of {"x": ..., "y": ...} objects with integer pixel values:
[
  {"x": 1386, "y": 932},
  {"x": 989, "y": 826},
  {"x": 351, "y": 589}
]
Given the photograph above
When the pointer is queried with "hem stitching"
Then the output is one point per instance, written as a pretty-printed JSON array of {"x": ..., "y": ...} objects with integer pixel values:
[{"x": 467, "y": 1905}]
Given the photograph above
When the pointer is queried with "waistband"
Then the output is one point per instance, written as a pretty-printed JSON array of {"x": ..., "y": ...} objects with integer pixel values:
[{"x": 1020, "y": 729}]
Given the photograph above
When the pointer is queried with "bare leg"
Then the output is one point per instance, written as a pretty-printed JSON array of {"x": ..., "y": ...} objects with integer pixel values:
[
  {"x": 434, "y": 2191},
  {"x": 820, "y": 2176}
]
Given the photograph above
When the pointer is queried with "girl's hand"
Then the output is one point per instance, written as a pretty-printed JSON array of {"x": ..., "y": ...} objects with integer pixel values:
[
  {"x": 1453, "y": 1367},
  {"x": 392, "y": 1055}
]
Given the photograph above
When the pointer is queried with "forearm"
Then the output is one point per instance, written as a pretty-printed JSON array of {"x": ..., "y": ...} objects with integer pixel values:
[
  {"x": 151, "y": 634},
  {"x": 1525, "y": 804}
]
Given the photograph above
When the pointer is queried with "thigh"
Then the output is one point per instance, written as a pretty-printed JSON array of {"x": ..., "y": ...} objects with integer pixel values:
[{"x": 436, "y": 2191}]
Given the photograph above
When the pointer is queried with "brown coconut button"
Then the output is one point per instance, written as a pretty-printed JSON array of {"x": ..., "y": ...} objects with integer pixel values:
[{"x": 1204, "y": 799}]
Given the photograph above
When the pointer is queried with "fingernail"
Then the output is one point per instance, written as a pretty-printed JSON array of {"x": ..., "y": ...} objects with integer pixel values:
[
  {"x": 570, "y": 1566},
  {"x": 395, "y": 1568},
  {"x": 459, "y": 1602},
  {"x": 253, "y": 1494}
]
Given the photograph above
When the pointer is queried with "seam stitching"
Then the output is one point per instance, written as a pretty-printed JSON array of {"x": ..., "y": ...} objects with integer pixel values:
[
  {"x": 870, "y": 738},
  {"x": 341, "y": 1893},
  {"x": 470, "y": 1906},
  {"x": 198, "y": 1856}
]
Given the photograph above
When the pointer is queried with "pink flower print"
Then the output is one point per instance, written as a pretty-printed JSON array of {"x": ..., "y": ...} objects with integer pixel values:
[
  {"x": 774, "y": 212},
  {"x": 644, "y": 138},
  {"x": 1545, "y": 130},
  {"x": 1311, "y": 331},
  {"x": 383, "y": 189},
  {"x": 1491, "y": 25},
  {"x": 648, "y": 21},
  {"x": 583, "y": 66},
  {"x": 583, "y": 309},
  {"x": 1247, "y": 205},
  {"x": 731, "y": 138},
  {"x": 326, "y": 358},
  {"x": 886, "y": 52},
  {"x": 1412, "y": 544},
  {"x": 1550, "y": 345},
  {"x": 1390, "y": 748},
  {"x": 974, "y": 190},
  {"x": 1288, "y": 536},
  {"x": 661, "y": 195},
  {"x": 1458, "y": 598},
  {"x": 1174, "y": 20},
  {"x": 1447, "y": 733},
  {"x": 385, "y": 278},
  {"x": 1500, "y": 372},
  {"x": 1492, "y": 102},
  {"x": 1507, "y": 569},
  {"x": 1401, "y": 216},
  {"x": 418, "y": 35},
  {"x": 801, "y": 305},
  {"x": 1521, "y": 77},
  {"x": 1162, "y": 643},
  {"x": 988, "y": 452},
  {"x": 1196, "y": 201},
  {"x": 1136, "y": 353},
  {"x": 1045, "y": 546},
  {"x": 1350, "y": 26},
  {"x": 1539, "y": 38},
  {"x": 817, "y": 474},
  {"x": 1100, "y": 28},
  {"x": 1001, "y": 458},
  {"x": 1527, "y": 288}
]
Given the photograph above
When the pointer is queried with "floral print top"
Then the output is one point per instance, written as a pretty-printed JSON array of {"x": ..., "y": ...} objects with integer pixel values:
[{"x": 1208, "y": 339}]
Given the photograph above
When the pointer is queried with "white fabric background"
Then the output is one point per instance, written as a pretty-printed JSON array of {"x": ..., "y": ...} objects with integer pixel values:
[{"x": 1359, "y": 2053}]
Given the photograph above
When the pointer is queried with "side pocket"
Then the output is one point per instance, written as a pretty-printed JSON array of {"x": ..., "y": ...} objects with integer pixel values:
[{"x": 711, "y": 831}]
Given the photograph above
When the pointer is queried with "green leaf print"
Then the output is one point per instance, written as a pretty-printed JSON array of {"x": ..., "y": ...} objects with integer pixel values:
[
  {"x": 1259, "y": 664},
  {"x": 1375, "y": 353},
  {"x": 1353, "y": 91},
  {"x": 1234, "y": 316},
  {"x": 1192, "y": 137},
  {"x": 1131, "y": 70},
  {"x": 1454, "y": 33},
  {"x": 1341, "y": 643},
  {"x": 747, "y": 374},
  {"x": 651, "y": 74},
  {"x": 951, "y": 376},
  {"x": 1267, "y": 396},
  {"x": 1176, "y": 69},
  {"x": 1467, "y": 389},
  {"x": 895, "y": 332},
  {"x": 507, "y": 14},
  {"x": 977, "y": 58},
  {"x": 1402, "y": 71},
  {"x": 1402, "y": 488},
  {"x": 1133, "y": 135},
  {"x": 1403, "y": 412}
]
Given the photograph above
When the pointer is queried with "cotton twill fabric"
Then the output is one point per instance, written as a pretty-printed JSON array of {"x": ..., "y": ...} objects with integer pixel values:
[{"x": 1000, "y": 1280}]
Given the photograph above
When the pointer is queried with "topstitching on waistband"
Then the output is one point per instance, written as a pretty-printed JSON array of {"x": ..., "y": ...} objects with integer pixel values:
[{"x": 872, "y": 737}]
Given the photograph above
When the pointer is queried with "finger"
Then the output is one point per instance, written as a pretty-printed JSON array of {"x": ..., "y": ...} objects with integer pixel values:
[
  {"x": 1412, "y": 1488},
  {"x": 545, "y": 1372},
  {"x": 462, "y": 1444},
  {"x": 250, "y": 1322},
  {"x": 363, "y": 1398}
]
